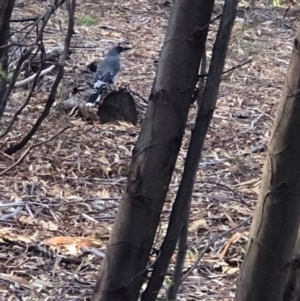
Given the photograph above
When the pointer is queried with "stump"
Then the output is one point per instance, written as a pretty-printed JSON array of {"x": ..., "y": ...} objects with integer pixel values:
[{"x": 118, "y": 105}]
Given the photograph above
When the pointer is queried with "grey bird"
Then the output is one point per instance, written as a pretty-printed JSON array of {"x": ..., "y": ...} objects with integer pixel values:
[{"x": 107, "y": 73}]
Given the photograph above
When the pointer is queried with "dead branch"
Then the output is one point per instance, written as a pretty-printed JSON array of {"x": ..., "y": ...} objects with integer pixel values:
[
  {"x": 45, "y": 18},
  {"x": 52, "y": 95},
  {"x": 32, "y": 77},
  {"x": 35, "y": 80},
  {"x": 93, "y": 251},
  {"x": 16, "y": 212},
  {"x": 11, "y": 204},
  {"x": 29, "y": 19},
  {"x": 210, "y": 243},
  {"x": 29, "y": 149},
  {"x": 224, "y": 187},
  {"x": 230, "y": 69},
  {"x": 237, "y": 66}
]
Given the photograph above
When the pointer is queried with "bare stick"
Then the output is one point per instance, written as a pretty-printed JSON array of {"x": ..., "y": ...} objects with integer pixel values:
[
  {"x": 52, "y": 95},
  {"x": 29, "y": 149},
  {"x": 210, "y": 243},
  {"x": 17, "y": 211},
  {"x": 24, "y": 20},
  {"x": 224, "y": 187},
  {"x": 45, "y": 18},
  {"x": 231, "y": 69},
  {"x": 32, "y": 77},
  {"x": 19, "y": 111}
]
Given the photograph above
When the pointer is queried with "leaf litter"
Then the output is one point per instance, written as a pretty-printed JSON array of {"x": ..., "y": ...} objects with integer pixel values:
[{"x": 59, "y": 202}]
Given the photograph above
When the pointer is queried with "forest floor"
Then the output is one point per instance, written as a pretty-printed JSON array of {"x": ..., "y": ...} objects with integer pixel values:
[{"x": 59, "y": 200}]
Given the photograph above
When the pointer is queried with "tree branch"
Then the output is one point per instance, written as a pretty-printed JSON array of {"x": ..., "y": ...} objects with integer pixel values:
[
  {"x": 52, "y": 95},
  {"x": 29, "y": 149},
  {"x": 45, "y": 18},
  {"x": 35, "y": 80}
]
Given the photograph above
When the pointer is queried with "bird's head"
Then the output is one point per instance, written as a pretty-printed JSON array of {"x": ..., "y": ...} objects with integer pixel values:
[
  {"x": 117, "y": 50},
  {"x": 121, "y": 48}
]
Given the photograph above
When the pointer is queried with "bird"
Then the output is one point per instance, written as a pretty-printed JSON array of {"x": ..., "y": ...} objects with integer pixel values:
[{"x": 107, "y": 73}]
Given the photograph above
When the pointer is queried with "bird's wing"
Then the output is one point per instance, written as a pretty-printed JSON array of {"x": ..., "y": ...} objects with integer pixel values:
[
  {"x": 105, "y": 78},
  {"x": 108, "y": 70},
  {"x": 101, "y": 81},
  {"x": 107, "y": 74}
]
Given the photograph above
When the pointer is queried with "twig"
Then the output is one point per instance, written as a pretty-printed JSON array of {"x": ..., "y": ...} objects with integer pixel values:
[
  {"x": 93, "y": 251},
  {"x": 19, "y": 111},
  {"x": 144, "y": 270},
  {"x": 29, "y": 149},
  {"x": 11, "y": 204},
  {"x": 18, "y": 45},
  {"x": 237, "y": 66},
  {"x": 13, "y": 292},
  {"x": 138, "y": 95},
  {"x": 209, "y": 244},
  {"x": 32, "y": 77},
  {"x": 52, "y": 95},
  {"x": 228, "y": 189},
  {"x": 230, "y": 69},
  {"x": 24, "y": 20},
  {"x": 45, "y": 18},
  {"x": 213, "y": 162},
  {"x": 17, "y": 211}
]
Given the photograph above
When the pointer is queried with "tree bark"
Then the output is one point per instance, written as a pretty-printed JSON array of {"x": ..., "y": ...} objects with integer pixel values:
[
  {"x": 181, "y": 206},
  {"x": 276, "y": 220},
  {"x": 292, "y": 287},
  {"x": 6, "y": 8},
  {"x": 154, "y": 157}
]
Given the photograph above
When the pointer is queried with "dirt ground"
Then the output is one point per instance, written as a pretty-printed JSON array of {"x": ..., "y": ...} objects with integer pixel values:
[{"x": 59, "y": 200}]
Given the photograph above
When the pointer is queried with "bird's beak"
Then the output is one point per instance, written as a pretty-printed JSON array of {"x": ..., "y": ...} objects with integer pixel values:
[{"x": 125, "y": 48}]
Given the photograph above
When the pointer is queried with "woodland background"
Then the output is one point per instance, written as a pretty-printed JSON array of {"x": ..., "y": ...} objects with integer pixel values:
[{"x": 59, "y": 195}]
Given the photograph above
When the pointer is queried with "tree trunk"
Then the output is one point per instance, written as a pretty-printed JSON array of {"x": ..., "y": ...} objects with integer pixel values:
[
  {"x": 124, "y": 267},
  {"x": 6, "y": 7},
  {"x": 292, "y": 287},
  {"x": 182, "y": 203},
  {"x": 276, "y": 220}
]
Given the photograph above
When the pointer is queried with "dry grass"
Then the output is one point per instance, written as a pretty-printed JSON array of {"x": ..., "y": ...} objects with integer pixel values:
[{"x": 66, "y": 191}]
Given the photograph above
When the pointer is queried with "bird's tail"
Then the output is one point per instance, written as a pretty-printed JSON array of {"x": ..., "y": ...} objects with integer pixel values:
[{"x": 96, "y": 94}]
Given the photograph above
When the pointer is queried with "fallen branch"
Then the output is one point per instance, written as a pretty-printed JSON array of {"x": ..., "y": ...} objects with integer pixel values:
[
  {"x": 32, "y": 77},
  {"x": 29, "y": 19},
  {"x": 93, "y": 251},
  {"x": 30, "y": 149},
  {"x": 209, "y": 244},
  {"x": 224, "y": 187},
  {"x": 16, "y": 212},
  {"x": 230, "y": 69}
]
